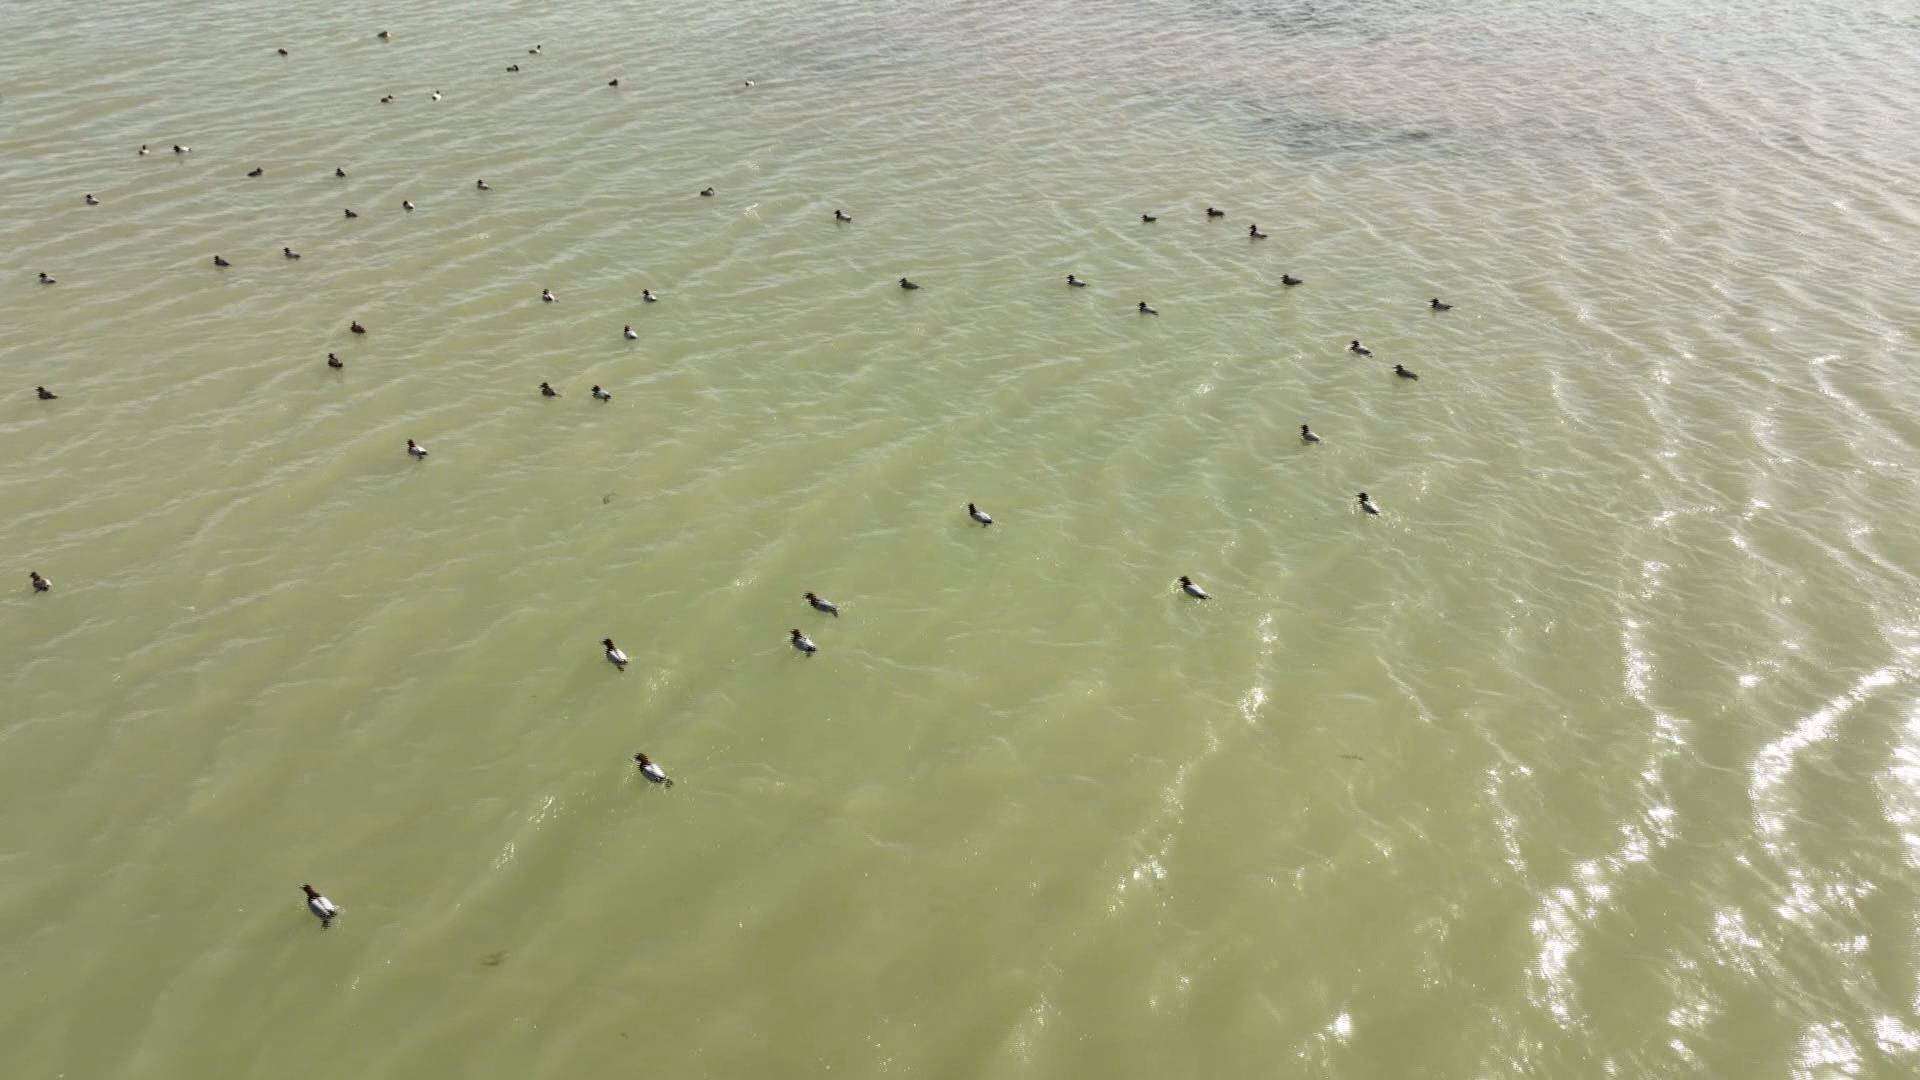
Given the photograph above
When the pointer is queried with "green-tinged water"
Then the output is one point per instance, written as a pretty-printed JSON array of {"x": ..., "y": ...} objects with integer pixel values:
[{"x": 1597, "y": 753}]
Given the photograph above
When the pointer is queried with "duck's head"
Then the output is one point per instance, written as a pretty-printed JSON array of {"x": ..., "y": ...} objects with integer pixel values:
[
  {"x": 308, "y": 889},
  {"x": 607, "y": 641},
  {"x": 642, "y": 760}
]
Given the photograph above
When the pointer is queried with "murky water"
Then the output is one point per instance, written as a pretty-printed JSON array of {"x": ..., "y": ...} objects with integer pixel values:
[{"x": 1596, "y": 753}]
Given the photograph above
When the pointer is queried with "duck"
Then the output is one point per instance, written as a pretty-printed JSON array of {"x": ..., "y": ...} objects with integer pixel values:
[
  {"x": 799, "y": 641},
  {"x": 547, "y": 297},
  {"x": 513, "y": 68},
  {"x": 601, "y": 395},
  {"x": 436, "y": 95},
  {"x": 905, "y": 284},
  {"x": 646, "y": 296},
  {"x": 1356, "y": 348},
  {"x": 414, "y": 449},
  {"x": 1254, "y": 231},
  {"x": 407, "y": 205},
  {"x": 335, "y": 362},
  {"x": 1187, "y": 586},
  {"x": 47, "y": 279},
  {"x": 1367, "y": 504},
  {"x": 613, "y": 82},
  {"x": 178, "y": 149},
  {"x": 750, "y": 84},
  {"x": 1145, "y": 310},
  {"x": 388, "y": 100},
  {"x": 355, "y": 327},
  {"x": 91, "y": 201},
  {"x": 652, "y": 772},
  {"x": 628, "y": 332},
  {"x": 322, "y": 908},
  {"x": 220, "y": 262},
  {"x": 1289, "y": 280},
  {"x": 1212, "y": 213},
  {"x": 706, "y": 193},
  {"x": 979, "y": 515},
  {"x": 614, "y": 656},
  {"x": 481, "y": 185},
  {"x": 45, "y": 394},
  {"x": 282, "y": 52},
  {"x": 339, "y": 172},
  {"x": 1148, "y": 218},
  {"x": 40, "y": 583},
  {"x": 548, "y": 391},
  {"x": 827, "y": 606},
  {"x": 289, "y": 253},
  {"x": 350, "y": 213},
  {"x": 1307, "y": 436},
  {"x": 1436, "y": 305},
  {"x": 257, "y": 171},
  {"x": 143, "y": 150},
  {"x": 1075, "y": 282},
  {"x": 842, "y": 215},
  {"x": 1404, "y": 373},
  {"x": 535, "y": 51},
  {"x": 383, "y": 35}
]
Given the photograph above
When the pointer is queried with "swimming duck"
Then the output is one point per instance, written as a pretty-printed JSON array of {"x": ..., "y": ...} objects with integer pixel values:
[
  {"x": 905, "y": 284},
  {"x": 1289, "y": 280},
  {"x": 91, "y": 201},
  {"x": 547, "y": 297},
  {"x": 1367, "y": 504},
  {"x": 258, "y": 172},
  {"x": 1354, "y": 346},
  {"x": 40, "y": 584},
  {"x": 338, "y": 171},
  {"x": 548, "y": 391},
  {"x": 1075, "y": 282},
  {"x": 436, "y": 95},
  {"x": 178, "y": 149},
  {"x": 979, "y": 515},
  {"x": 1254, "y": 231},
  {"x": 627, "y": 331},
  {"x": 351, "y": 214},
  {"x": 646, "y": 295},
  {"x": 750, "y": 84},
  {"x": 220, "y": 262},
  {"x": 143, "y": 150},
  {"x": 1145, "y": 310},
  {"x": 826, "y": 606},
  {"x": 45, "y": 394},
  {"x": 1436, "y": 305},
  {"x": 601, "y": 395},
  {"x": 335, "y": 362},
  {"x": 613, "y": 82},
  {"x": 799, "y": 641},
  {"x": 321, "y": 907},
  {"x": 1307, "y": 436},
  {"x": 706, "y": 193},
  {"x": 382, "y": 35},
  {"x": 513, "y": 67},
  {"x": 651, "y": 771},
  {"x": 415, "y": 449},
  {"x": 1187, "y": 586},
  {"x": 407, "y": 205},
  {"x": 289, "y": 253},
  {"x": 535, "y": 51},
  {"x": 1212, "y": 213},
  {"x": 614, "y": 656},
  {"x": 356, "y": 327},
  {"x": 481, "y": 185},
  {"x": 1404, "y": 373},
  {"x": 282, "y": 52},
  {"x": 46, "y": 279},
  {"x": 1148, "y": 218},
  {"x": 842, "y": 215},
  {"x": 388, "y": 100}
]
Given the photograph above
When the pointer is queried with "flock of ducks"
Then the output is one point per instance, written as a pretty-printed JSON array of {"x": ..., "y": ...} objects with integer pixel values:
[{"x": 324, "y": 909}]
